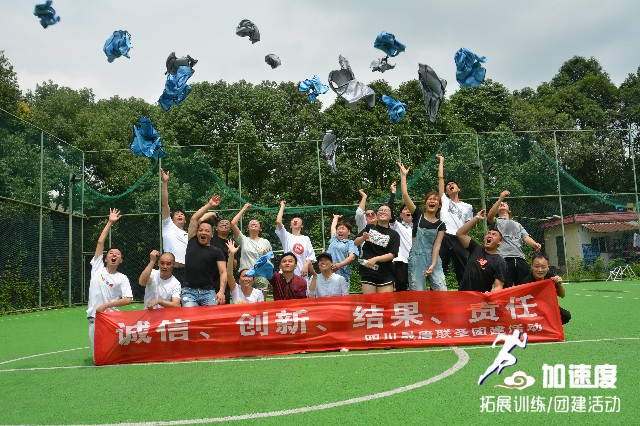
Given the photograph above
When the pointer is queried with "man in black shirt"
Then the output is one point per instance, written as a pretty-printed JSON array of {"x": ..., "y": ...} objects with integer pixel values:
[
  {"x": 539, "y": 272},
  {"x": 205, "y": 264},
  {"x": 223, "y": 229},
  {"x": 486, "y": 269}
]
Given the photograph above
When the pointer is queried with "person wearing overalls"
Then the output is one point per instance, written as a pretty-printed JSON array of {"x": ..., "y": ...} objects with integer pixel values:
[{"x": 428, "y": 232}]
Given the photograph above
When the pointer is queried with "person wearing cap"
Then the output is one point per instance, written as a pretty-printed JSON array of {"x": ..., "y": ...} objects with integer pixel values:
[
  {"x": 174, "y": 237},
  {"x": 341, "y": 248},
  {"x": 327, "y": 283},
  {"x": 252, "y": 246},
  {"x": 485, "y": 269},
  {"x": 454, "y": 213},
  {"x": 513, "y": 234}
]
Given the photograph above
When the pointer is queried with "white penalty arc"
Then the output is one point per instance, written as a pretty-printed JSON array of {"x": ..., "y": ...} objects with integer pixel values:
[{"x": 463, "y": 359}]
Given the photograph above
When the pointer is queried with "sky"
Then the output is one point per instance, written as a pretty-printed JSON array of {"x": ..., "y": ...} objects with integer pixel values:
[{"x": 525, "y": 42}]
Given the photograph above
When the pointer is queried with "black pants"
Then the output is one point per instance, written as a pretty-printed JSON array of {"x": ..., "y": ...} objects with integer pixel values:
[
  {"x": 452, "y": 250},
  {"x": 517, "y": 271},
  {"x": 401, "y": 274},
  {"x": 565, "y": 315}
]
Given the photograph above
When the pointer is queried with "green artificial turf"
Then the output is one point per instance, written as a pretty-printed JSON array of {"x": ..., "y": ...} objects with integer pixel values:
[{"x": 604, "y": 329}]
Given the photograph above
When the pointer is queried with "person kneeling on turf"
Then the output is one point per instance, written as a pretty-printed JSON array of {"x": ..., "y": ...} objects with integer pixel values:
[{"x": 539, "y": 272}]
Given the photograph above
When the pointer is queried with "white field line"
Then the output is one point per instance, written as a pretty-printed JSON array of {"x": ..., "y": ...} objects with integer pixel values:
[{"x": 281, "y": 358}]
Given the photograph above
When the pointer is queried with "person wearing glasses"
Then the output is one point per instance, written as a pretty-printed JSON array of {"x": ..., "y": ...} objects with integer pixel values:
[
  {"x": 364, "y": 216},
  {"x": 252, "y": 247},
  {"x": 380, "y": 245}
]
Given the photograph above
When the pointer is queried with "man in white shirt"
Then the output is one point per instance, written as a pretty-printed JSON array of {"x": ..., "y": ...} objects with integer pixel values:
[
  {"x": 174, "y": 237},
  {"x": 295, "y": 242},
  {"x": 108, "y": 288},
  {"x": 161, "y": 288},
  {"x": 404, "y": 227},
  {"x": 363, "y": 215},
  {"x": 454, "y": 213},
  {"x": 326, "y": 283}
]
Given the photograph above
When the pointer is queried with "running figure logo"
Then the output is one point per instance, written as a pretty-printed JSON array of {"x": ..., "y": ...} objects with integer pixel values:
[{"x": 505, "y": 358}]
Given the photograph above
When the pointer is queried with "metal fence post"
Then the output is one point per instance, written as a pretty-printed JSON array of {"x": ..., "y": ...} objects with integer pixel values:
[
  {"x": 40, "y": 222},
  {"x": 70, "y": 260},
  {"x": 160, "y": 202},
  {"x": 324, "y": 238},
  {"x": 564, "y": 238},
  {"x": 239, "y": 182},
  {"x": 82, "y": 273},
  {"x": 635, "y": 178},
  {"x": 483, "y": 202}
]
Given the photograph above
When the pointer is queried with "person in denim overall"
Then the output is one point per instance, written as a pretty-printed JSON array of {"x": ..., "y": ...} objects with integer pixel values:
[
  {"x": 428, "y": 232},
  {"x": 421, "y": 258}
]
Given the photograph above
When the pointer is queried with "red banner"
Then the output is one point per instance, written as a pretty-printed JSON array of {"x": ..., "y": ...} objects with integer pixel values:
[{"x": 385, "y": 320}]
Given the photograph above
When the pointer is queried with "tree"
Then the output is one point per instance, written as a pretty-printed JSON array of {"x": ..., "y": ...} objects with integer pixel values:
[
  {"x": 483, "y": 108},
  {"x": 9, "y": 90}
]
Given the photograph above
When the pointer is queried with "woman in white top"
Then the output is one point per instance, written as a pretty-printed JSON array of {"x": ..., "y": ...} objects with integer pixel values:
[
  {"x": 243, "y": 293},
  {"x": 253, "y": 246}
]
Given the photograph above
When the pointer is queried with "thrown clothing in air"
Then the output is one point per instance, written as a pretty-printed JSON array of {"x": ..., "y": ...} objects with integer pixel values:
[
  {"x": 117, "y": 45},
  {"x": 329, "y": 146},
  {"x": 381, "y": 64},
  {"x": 388, "y": 44},
  {"x": 314, "y": 86},
  {"x": 272, "y": 60},
  {"x": 343, "y": 82},
  {"x": 46, "y": 13},
  {"x": 469, "y": 71},
  {"x": 174, "y": 62},
  {"x": 263, "y": 267},
  {"x": 397, "y": 109},
  {"x": 246, "y": 28},
  {"x": 176, "y": 88},
  {"x": 146, "y": 140},
  {"x": 432, "y": 89}
]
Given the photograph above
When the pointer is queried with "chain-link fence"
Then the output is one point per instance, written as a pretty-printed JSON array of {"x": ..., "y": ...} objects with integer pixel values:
[{"x": 587, "y": 178}]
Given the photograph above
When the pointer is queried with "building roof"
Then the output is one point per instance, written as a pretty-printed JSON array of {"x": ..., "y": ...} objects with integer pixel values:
[{"x": 599, "y": 222}]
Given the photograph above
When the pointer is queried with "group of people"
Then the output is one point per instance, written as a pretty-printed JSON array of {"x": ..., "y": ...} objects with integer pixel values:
[{"x": 197, "y": 266}]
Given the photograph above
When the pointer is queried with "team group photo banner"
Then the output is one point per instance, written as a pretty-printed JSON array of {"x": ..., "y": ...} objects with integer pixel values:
[{"x": 373, "y": 321}]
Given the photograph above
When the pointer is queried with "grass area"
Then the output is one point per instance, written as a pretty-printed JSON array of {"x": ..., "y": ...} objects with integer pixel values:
[{"x": 56, "y": 382}]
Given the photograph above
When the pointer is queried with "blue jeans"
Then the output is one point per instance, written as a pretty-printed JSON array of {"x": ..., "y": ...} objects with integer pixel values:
[{"x": 191, "y": 297}]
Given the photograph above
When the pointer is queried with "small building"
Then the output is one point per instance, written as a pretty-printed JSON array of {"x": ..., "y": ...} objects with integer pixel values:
[{"x": 611, "y": 235}]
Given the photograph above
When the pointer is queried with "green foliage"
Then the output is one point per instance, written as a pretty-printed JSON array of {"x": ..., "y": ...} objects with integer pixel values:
[
  {"x": 483, "y": 108},
  {"x": 581, "y": 271},
  {"x": 16, "y": 292},
  {"x": 9, "y": 90},
  {"x": 258, "y": 143}
]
